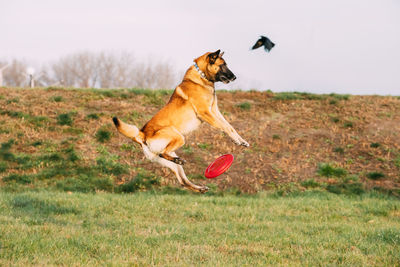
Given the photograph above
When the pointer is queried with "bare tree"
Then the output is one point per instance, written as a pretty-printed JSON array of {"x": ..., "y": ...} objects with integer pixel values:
[
  {"x": 154, "y": 75},
  {"x": 143, "y": 75},
  {"x": 115, "y": 70},
  {"x": 86, "y": 69},
  {"x": 122, "y": 70},
  {"x": 45, "y": 78},
  {"x": 78, "y": 69},
  {"x": 62, "y": 73},
  {"x": 163, "y": 76},
  {"x": 15, "y": 74},
  {"x": 125, "y": 71},
  {"x": 106, "y": 70}
]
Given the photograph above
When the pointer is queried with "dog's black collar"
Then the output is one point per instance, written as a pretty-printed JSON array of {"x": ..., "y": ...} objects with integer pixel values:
[{"x": 199, "y": 71}]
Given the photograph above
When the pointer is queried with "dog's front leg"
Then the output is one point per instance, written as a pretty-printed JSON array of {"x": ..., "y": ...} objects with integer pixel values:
[
  {"x": 241, "y": 141},
  {"x": 218, "y": 121},
  {"x": 237, "y": 139}
]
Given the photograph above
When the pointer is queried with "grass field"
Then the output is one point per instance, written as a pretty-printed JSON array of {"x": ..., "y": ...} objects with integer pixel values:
[{"x": 304, "y": 229}]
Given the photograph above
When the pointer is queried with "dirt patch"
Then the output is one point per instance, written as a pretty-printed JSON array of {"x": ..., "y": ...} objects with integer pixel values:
[{"x": 288, "y": 138}]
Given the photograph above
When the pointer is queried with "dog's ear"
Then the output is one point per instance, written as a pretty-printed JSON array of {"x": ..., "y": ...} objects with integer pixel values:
[{"x": 212, "y": 57}]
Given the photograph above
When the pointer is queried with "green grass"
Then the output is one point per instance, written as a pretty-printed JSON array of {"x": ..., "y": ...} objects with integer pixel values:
[
  {"x": 348, "y": 124},
  {"x": 187, "y": 149},
  {"x": 339, "y": 150},
  {"x": 335, "y": 119},
  {"x": 333, "y": 98},
  {"x": 142, "y": 181},
  {"x": 93, "y": 116},
  {"x": 65, "y": 119},
  {"x": 61, "y": 169},
  {"x": 205, "y": 146},
  {"x": 375, "y": 175},
  {"x": 153, "y": 229},
  {"x": 153, "y": 97},
  {"x": 311, "y": 183},
  {"x": 327, "y": 170},
  {"x": 37, "y": 143},
  {"x": 276, "y": 136},
  {"x": 397, "y": 162},
  {"x": 150, "y": 92},
  {"x": 103, "y": 135},
  {"x": 244, "y": 106},
  {"x": 340, "y": 96},
  {"x": 3, "y": 166},
  {"x": 14, "y": 100},
  {"x": 346, "y": 188},
  {"x": 34, "y": 120},
  {"x": 375, "y": 145},
  {"x": 57, "y": 98}
]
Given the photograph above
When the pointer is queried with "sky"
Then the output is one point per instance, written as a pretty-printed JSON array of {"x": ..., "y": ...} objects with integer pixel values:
[{"x": 341, "y": 46}]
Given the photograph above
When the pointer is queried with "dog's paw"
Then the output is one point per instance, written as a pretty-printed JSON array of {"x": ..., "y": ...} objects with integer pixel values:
[
  {"x": 244, "y": 143},
  {"x": 204, "y": 189},
  {"x": 241, "y": 142},
  {"x": 179, "y": 161},
  {"x": 237, "y": 142}
]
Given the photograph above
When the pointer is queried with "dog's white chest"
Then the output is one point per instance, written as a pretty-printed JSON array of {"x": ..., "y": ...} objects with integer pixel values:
[{"x": 190, "y": 126}]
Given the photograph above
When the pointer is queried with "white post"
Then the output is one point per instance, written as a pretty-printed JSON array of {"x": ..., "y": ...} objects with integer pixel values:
[
  {"x": 30, "y": 72},
  {"x": 31, "y": 81}
]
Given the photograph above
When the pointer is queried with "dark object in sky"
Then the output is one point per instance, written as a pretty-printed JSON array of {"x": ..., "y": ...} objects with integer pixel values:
[{"x": 264, "y": 41}]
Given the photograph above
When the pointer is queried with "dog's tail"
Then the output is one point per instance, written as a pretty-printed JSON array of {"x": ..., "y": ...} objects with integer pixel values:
[{"x": 130, "y": 131}]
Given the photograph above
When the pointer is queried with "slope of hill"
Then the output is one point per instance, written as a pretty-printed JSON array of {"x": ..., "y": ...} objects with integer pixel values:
[{"x": 64, "y": 139}]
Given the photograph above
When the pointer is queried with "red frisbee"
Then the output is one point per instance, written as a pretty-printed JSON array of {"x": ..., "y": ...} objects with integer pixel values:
[{"x": 219, "y": 166}]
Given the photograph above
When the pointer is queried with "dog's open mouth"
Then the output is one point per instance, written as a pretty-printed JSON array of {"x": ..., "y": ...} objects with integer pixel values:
[{"x": 226, "y": 80}]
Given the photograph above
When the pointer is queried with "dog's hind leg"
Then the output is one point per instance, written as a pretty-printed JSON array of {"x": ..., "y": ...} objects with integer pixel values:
[
  {"x": 175, "y": 168},
  {"x": 169, "y": 154},
  {"x": 188, "y": 183},
  {"x": 155, "y": 158},
  {"x": 165, "y": 142},
  {"x": 180, "y": 175}
]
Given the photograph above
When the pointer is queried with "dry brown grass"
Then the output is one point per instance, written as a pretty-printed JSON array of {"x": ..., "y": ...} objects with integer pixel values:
[{"x": 288, "y": 138}]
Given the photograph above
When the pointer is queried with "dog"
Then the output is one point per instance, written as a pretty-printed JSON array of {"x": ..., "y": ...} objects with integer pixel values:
[{"x": 193, "y": 101}]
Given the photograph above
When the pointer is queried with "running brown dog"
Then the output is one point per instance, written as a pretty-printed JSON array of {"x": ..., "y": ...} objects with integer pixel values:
[{"x": 193, "y": 101}]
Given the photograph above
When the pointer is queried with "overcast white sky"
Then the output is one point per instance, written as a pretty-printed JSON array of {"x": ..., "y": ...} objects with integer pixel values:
[{"x": 343, "y": 46}]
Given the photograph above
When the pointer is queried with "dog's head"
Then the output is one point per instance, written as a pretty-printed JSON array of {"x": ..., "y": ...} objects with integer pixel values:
[{"x": 215, "y": 68}]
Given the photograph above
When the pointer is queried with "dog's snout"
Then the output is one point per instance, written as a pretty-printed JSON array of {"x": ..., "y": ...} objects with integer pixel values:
[
  {"x": 225, "y": 75},
  {"x": 231, "y": 76}
]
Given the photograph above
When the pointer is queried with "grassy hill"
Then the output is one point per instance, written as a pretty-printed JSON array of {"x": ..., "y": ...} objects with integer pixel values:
[{"x": 64, "y": 139}]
